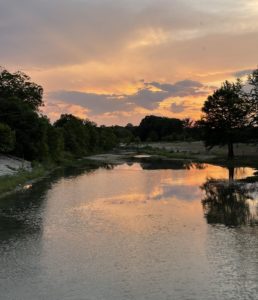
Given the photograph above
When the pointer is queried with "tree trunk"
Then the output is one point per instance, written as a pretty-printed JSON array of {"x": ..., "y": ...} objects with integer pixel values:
[
  {"x": 231, "y": 173},
  {"x": 230, "y": 151}
]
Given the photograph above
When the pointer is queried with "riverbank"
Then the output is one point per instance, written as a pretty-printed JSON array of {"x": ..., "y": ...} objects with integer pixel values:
[
  {"x": 17, "y": 174},
  {"x": 20, "y": 180},
  {"x": 23, "y": 174},
  {"x": 246, "y": 155}
]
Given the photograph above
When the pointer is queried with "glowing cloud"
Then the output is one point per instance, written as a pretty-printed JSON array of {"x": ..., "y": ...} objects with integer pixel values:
[{"x": 93, "y": 54}]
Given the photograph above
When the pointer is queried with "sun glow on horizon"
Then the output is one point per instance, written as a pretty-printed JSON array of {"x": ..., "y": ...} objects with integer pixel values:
[{"x": 119, "y": 58}]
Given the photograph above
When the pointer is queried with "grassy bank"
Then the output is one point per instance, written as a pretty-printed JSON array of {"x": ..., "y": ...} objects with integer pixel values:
[
  {"x": 15, "y": 182},
  {"x": 246, "y": 155},
  {"x": 190, "y": 152},
  {"x": 12, "y": 182}
]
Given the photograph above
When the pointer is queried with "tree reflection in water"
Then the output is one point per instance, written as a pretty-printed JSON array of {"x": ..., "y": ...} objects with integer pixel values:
[{"x": 229, "y": 202}]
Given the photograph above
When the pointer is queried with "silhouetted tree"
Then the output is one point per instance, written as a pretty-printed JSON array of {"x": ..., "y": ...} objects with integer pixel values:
[
  {"x": 30, "y": 128},
  {"x": 253, "y": 95},
  {"x": 92, "y": 129},
  {"x": 227, "y": 113},
  {"x": 36, "y": 137},
  {"x": 76, "y": 136},
  {"x": 20, "y": 100},
  {"x": 55, "y": 143},
  {"x": 108, "y": 139},
  {"x": 188, "y": 128},
  {"x": 155, "y": 128},
  {"x": 18, "y": 85},
  {"x": 123, "y": 134},
  {"x": 7, "y": 138}
]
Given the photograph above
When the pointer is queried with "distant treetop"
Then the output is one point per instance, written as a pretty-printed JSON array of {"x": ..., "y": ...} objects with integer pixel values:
[{"x": 18, "y": 85}]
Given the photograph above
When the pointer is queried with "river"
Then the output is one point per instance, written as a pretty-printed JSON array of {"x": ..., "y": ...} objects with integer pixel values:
[{"x": 132, "y": 231}]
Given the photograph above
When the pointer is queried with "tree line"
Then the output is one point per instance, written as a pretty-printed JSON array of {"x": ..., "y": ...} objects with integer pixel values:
[
  {"x": 27, "y": 133},
  {"x": 229, "y": 116}
]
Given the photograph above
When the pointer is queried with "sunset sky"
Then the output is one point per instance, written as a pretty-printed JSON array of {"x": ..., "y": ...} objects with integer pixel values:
[{"x": 115, "y": 61}]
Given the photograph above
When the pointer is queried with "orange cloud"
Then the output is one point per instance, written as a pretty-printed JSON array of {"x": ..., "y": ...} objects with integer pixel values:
[{"x": 83, "y": 48}]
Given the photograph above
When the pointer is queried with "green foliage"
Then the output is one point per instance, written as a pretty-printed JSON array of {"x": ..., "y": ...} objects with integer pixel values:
[
  {"x": 7, "y": 138},
  {"x": 18, "y": 85},
  {"x": 36, "y": 138},
  {"x": 253, "y": 96},
  {"x": 10, "y": 182},
  {"x": 55, "y": 143},
  {"x": 227, "y": 113},
  {"x": 20, "y": 100},
  {"x": 94, "y": 138},
  {"x": 230, "y": 116},
  {"x": 108, "y": 139},
  {"x": 76, "y": 135},
  {"x": 124, "y": 134},
  {"x": 30, "y": 128},
  {"x": 153, "y": 136},
  {"x": 82, "y": 137},
  {"x": 228, "y": 107},
  {"x": 153, "y": 128}
]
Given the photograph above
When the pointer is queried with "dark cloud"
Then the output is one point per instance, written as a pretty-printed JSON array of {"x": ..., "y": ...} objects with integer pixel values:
[
  {"x": 144, "y": 97},
  {"x": 96, "y": 103},
  {"x": 181, "y": 88},
  {"x": 147, "y": 98},
  {"x": 178, "y": 108},
  {"x": 242, "y": 73}
]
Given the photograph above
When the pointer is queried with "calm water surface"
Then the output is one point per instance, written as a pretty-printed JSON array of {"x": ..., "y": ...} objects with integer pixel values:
[{"x": 135, "y": 231}]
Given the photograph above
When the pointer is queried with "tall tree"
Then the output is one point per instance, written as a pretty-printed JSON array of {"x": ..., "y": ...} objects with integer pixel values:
[
  {"x": 253, "y": 95},
  {"x": 226, "y": 114},
  {"x": 75, "y": 133},
  {"x": 30, "y": 128},
  {"x": 18, "y": 85}
]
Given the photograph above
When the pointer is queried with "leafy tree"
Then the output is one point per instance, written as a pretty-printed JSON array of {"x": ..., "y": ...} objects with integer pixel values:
[
  {"x": 227, "y": 113},
  {"x": 7, "y": 138},
  {"x": 108, "y": 139},
  {"x": 29, "y": 127},
  {"x": 153, "y": 136},
  {"x": 129, "y": 125},
  {"x": 92, "y": 130},
  {"x": 19, "y": 85},
  {"x": 123, "y": 134},
  {"x": 253, "y": 95},
  {"x": 55, "y": 143},
  {"x": 36, "y": 138},
  {"x": 76, "y": 136},
  {"x": 159, "y": 127},
  {"x": 20, "y": 100}
]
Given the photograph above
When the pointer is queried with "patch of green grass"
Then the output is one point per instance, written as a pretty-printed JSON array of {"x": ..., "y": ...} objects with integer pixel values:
[
  {"x": 167, "y": 154},
  {"x": 217, "y": 158},
  {"x": 10, "y": 182}
]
